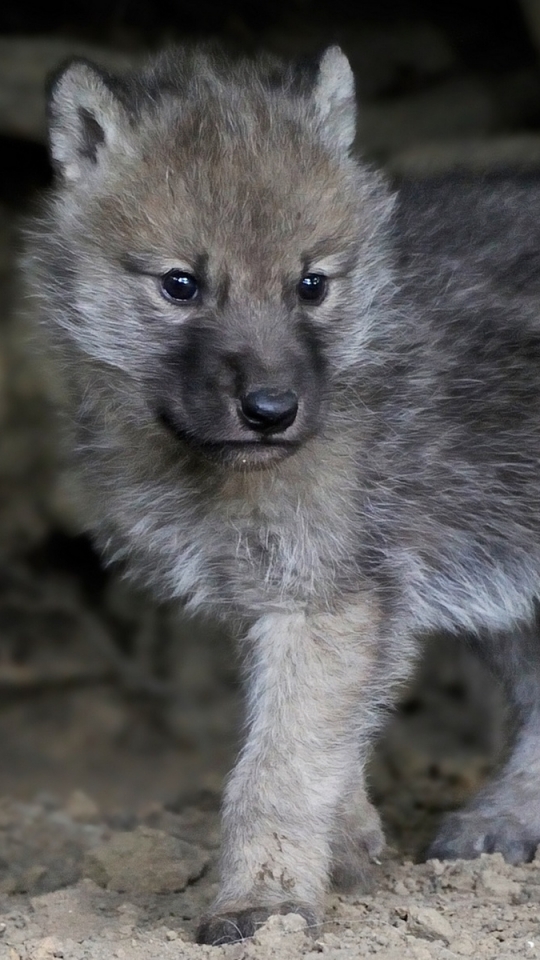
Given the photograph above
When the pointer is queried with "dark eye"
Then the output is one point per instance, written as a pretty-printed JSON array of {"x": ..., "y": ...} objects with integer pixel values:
[
  {"x": 177, "y": 285},
  {"x": 312, "y": 287}
]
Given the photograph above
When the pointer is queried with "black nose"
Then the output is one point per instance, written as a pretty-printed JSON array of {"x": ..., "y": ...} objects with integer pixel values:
[{"x": 269, "y": 411}]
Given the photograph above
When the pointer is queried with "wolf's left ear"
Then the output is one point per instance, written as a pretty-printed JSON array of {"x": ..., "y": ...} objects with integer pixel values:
[
  {"x": 335, "y": 98},
  {"x": 86, "y": 119}
]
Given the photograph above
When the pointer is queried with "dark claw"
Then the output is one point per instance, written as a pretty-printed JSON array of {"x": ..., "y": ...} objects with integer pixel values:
[{"x": 242, "y": 924}]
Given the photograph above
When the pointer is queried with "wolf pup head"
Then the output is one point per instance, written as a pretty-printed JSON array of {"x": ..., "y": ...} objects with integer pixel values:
[{"x": 214, "y": 244}]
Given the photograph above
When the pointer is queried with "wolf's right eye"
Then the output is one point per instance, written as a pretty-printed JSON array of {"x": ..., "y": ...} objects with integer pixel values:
[{"x": 178, "y": 285}]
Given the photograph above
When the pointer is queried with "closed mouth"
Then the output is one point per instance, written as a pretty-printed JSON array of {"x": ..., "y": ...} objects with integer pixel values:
[
  {"x": 252, "y": 445},
  {"x": 251, "y": 455}
]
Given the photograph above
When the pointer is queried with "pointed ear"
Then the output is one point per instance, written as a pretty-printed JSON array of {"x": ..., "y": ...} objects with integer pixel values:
[
  {"x": 85, "y": 117},
  {"x": 335, "y": 98}
]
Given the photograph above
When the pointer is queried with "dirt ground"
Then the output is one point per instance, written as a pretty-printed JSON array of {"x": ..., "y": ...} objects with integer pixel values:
[
  {"x": 109, "y": 829},
  {"x": 118, "y": 722},
  {"x": 109, "y": 816}
]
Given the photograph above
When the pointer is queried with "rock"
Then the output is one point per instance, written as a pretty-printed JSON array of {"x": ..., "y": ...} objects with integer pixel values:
[
  {"x": 80, "y": 807},
  {"x": 420, "y": 952},
  {"x": 49, "y": 948},
  {"x": 494, "y": 884},
  {"x": 145, "y": 861},
  {"x": 464, "y": 947},
  {"x": 400, "y": 889},
  {"x": 290, "y": 925},
  {"x": 429, "y": 924}
]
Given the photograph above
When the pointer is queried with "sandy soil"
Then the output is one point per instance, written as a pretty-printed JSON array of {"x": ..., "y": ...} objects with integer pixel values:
[{"x": 136, "y": 893}]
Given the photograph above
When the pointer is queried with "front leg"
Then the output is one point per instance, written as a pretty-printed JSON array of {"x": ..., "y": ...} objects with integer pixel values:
[{"x": 309, "y": 676}]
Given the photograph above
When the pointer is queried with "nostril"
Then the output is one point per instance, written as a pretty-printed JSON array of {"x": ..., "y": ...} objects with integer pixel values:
[{"x": 269, "y": 411}]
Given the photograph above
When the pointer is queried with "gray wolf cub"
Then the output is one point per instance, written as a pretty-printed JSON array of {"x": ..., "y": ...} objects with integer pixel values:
[{"x": 306, "y": 408}]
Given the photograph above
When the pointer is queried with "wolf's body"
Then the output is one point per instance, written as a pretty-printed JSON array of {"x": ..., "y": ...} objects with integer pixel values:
[{"x": 404, "y": 495}]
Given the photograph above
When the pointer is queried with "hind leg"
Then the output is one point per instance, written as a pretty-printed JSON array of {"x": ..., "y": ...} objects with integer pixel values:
[
  {"x": 504, "y": 816},
  {"x": 358, "y": 837}
]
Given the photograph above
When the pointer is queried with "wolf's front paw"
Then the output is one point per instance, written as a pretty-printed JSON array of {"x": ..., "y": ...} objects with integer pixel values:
[
  {"x": 234, "y": 925},
  {"x": 468, "y": 834}
]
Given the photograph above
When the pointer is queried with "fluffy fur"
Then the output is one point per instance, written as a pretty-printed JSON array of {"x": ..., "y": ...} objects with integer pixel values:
[{"x": 404, "y": 498}]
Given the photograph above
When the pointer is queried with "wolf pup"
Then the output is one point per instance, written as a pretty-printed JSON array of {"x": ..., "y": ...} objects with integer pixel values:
[{"x": 310, "y": 412}]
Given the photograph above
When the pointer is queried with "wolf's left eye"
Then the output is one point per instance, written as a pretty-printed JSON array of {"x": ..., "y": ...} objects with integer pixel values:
[
  {"x": 312, "y": 287},
  {"x": 178, "y": 285}
]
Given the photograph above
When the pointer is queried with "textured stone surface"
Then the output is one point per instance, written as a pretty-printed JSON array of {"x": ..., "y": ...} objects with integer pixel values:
[{"x": 145, "y": 861}]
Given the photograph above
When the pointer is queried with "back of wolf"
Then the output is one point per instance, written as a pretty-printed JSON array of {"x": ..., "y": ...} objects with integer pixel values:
[
  {"x": 461, "y": 466},
  {"x": 475, "y": 238}
]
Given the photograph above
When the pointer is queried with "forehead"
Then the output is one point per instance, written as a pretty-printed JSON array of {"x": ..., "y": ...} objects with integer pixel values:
[{"x": 238, "y": 180}]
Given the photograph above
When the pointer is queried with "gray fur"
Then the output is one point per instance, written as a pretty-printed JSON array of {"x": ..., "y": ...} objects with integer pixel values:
[{"x": 404, "y": 498}]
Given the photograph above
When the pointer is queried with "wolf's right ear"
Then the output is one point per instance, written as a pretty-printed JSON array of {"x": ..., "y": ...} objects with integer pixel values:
[{"x": 85, "y": 118}]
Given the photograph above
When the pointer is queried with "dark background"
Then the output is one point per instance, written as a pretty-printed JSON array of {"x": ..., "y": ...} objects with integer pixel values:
[{"x": 427, "y": 73}]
